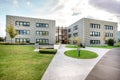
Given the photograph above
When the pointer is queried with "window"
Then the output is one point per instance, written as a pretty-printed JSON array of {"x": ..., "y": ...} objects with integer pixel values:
[
  {"x": 97, "y": 26},
  {"x": 108, "y": 27},
  {"x": 23, "y": 32},
  {"x": 28, "y": 32},
  {"x": 37, "y": 24},
  {"x": 28, "y": 24},
  {"x": 108, "y": 34},
  {"x": 69, "y": 30},
  {"x": 94, "y": 41},
  {"x": 94, "y": 33},
  {"x": 106, "y": 41},
  {"x": 75, "y": 27},
  {"x": 42, "y": 41},
  {"x": 22, "y": 40},
  {"x": 42, "y": 25},
  {"x": 69, "y": 35},
  {"x": 22, "y": 23},
  {"x": 43, "y": 33},
  {"x": 75, "y": 34},
  {"x": 17, "y": 23}
]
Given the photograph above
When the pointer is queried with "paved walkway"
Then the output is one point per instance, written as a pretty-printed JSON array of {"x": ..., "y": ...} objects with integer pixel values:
[
  {"x": 108, "y": 68},
  {"x": 66, "y": 68}
]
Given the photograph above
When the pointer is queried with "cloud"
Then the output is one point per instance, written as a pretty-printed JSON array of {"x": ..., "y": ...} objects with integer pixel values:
[
  {"x": 59, "y": 7},
  {"x": 28, "y": 3},
  {"x": 75, "y": 13},
  {"x": 112, "y": 6},
  {"x": 47, "y": 7},
  {"x": 15, "y": 3},
  {"x": 80, "y": 7},
  {"x": 2, "y": 30}
]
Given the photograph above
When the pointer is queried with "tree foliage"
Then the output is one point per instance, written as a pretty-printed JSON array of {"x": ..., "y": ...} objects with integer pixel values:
[
  {"x": 11, "y": 30},
  {"x": 78, "y": 40},
  {"x": 71, "y": 40},
  {"x": 1, "y": 39}
]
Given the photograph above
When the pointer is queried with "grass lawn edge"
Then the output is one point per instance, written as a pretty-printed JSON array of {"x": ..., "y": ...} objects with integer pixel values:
[{"x": 84, "y": 54}]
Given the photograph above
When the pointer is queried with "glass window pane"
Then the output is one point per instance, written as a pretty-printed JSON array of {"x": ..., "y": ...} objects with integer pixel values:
[{"x": 21, "y": 23}]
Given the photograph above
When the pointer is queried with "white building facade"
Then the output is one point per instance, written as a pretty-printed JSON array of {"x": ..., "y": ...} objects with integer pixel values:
[
  {"x": 93, "y": 32},
  {"x": 31, "y": 30}
]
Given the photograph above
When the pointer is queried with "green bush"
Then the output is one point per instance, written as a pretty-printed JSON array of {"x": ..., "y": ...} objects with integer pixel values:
[
  {"x": 110, "y": 42},
  {"x": 118, "y": 44},
  {"x": 31, "y": 43},
  {"x": 4, "y": 43},
  {"x": 48, "y": 51},
  {"x": 2, "y": 39},
  {"x": 12, "y": 43}
]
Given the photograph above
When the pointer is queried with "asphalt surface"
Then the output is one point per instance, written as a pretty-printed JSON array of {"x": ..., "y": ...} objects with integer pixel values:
[{"x": 108, "y": 68}]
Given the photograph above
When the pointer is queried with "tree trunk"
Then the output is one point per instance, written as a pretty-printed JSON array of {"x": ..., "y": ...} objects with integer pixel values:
[{"x": 78, "y": 51}]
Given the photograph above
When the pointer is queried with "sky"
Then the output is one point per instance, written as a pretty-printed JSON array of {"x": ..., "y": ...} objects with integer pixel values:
[{"x": 65, "y": 12}]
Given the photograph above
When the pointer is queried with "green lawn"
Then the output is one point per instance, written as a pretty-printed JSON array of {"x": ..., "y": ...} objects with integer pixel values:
[
  {"x": 71, "y": 46},
  {"x": 84, "y": 54},
  {"x": 108, "y": 47},
  {"x": 22, "y": 63}
]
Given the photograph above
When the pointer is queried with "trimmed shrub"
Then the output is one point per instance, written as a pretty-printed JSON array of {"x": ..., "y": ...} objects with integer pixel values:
[
  {"x": 4, "y": 43},
  {"x": 12, "y": 43},
  {"x": 2, "y": 39},
  {"x": 48, "y": 51},
  {"x": 110, "y": 42}
]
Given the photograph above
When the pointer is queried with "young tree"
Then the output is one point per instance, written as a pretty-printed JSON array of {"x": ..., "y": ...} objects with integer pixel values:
[
  {"x": 11, "y": 30},
  {"x": 77, "y": 40},
  {"x": 78, "y": 45},
  {"x": 71, "y": 40}
]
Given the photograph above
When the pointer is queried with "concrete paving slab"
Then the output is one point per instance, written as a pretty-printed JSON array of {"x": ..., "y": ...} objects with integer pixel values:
[{"x": 63, "y": 67}]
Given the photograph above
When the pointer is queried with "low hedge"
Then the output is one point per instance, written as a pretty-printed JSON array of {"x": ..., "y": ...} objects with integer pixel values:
[
  {"x": 48, "y": 51},
  {"x": 12, "y": 43},
  {"x": 4, "y": 43}
]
